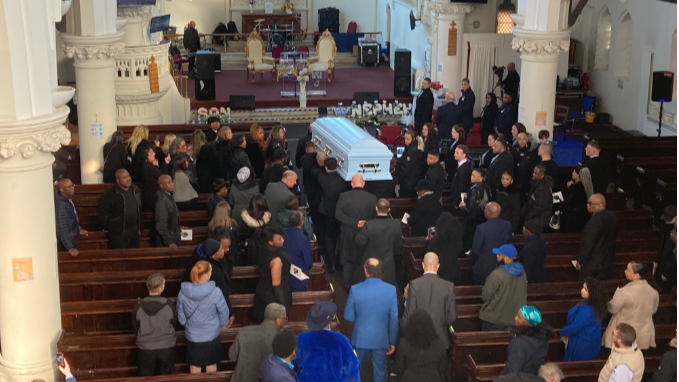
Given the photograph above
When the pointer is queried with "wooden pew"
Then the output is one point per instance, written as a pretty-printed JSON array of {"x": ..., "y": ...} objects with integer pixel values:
[
  {"x": 99, "y": 240},
  {"x": 491, "y": 347},
  {"x": 191, "y": 219},
  {"x": 115, "y": 356},
  {"x": 113, "y": 316},
  {"x": 554, "y": 312},
  {"x": 219, "y": 376},
  {"x": 122, "y": 285}
]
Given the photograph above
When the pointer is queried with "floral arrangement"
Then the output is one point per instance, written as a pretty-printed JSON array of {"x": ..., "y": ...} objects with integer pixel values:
[
  {"x": 302, "y": 75},
  {"x": 203, "y": 114},
  {"x": 288, "y": 6},
  {"x": 436, "y": 85}
]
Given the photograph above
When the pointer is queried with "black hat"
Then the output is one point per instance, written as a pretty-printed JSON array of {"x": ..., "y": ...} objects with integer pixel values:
[
  {"x": 533, "y": 226},
  {"x": 279, "y": 154},
  {"x": 218, "y": 184},
  {"x": 423, "y": 185},
  {"x": 284, "y": 343},
  {"x": 321, "y": 315},
  {"x": 213, "y": 119},
  {"x": 669, "y": 213}
]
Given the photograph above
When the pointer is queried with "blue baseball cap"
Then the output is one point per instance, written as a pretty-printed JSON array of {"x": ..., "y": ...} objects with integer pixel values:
[
  {"x": 531, "y": 314},
  {"x": 507, "y": 250}
]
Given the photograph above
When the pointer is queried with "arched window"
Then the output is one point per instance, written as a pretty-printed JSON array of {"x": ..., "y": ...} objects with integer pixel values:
[
  {"x": 603, "y": 40},
  {"x": 623, "y": 46}
]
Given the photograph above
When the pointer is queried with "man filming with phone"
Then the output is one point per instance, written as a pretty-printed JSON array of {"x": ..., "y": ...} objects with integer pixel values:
[
  {"x": 511, "y": 83},
  {"x": 63, "y": 368}
]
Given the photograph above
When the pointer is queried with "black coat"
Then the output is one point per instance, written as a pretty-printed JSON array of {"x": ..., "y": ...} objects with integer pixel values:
[
  {"x": 448, "y": 249},
  {"x": 272, "y": 147},
  {"x": 461, "y": 183},
  {"x": 486, "y": 158},
  {"x": 239, "y": 159},
  {"x": 488, "y": 120},
  {"x": 540, "y": 201},
  {"x": 436, "y": 175},
  {"x": 409, "y": 170},
  {"x": 503, "y": 162},
  {"x": 528, "y": 350},
  {"x": 224, "y": 159},
  {"x": 524, "y": 163},
  {"x": 332, "y": 186},
  {"x": 510, "y": 203},
  {"x": 533, "y": 257},
  {"x": 597, "y": 247},
  {"x": 447, "y": 116},
  {"x": 271, "y": 174},
  {"x": 423, "y": 108},
  {"x": 255, "y": 153},
  {"x": 552, "y": 167},
  {"x": 149, "y": 180},
  {"x": 166, "y": 220},
  {"x": 574, "y": 214},
  {"x": 449, "y": 158},
  {"x": 207, "y": 167},
  {"x": 111, "y": 210},
  {"x": 667, "y": 261},
  {"x": 312, "y": 189},
  {"x": 505, "y": 119},
  {"x": 431, "y": 144},
  {"x": 382, "y": 239},
  {"x": 425, "y": 214},
  {"x": 191, "y": 40},
  {"x": 667, "y": 372},
  {"x": 416, "y": 365},
  {"x": 598, "y": 169},
  {"x": 382, "y": 189},
  {"x": 353, "y": 206},
  {"x": 116, "y": 159},
  {"x": 210, "y": 135},
  {"x": 511, "y": 83},
  {"x": 300, "y": 151},
  {"x": 466, "y": 104}
]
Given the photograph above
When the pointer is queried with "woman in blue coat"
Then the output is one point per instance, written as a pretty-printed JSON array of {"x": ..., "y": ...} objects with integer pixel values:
[{"x": 582, "y": 335}]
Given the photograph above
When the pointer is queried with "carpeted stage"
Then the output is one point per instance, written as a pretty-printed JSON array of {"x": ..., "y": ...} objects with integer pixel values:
[{"x": 268, "y": 94}]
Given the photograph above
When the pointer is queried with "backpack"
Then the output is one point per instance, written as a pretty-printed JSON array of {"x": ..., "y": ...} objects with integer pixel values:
[{"x": 231, "y": 28}]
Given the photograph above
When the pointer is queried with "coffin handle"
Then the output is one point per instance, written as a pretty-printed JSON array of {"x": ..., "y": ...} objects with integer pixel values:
[
  {"x": 369, "y": 167},
  {"x": 328, "y": 150},
  {"x": 339, "y": 161}
]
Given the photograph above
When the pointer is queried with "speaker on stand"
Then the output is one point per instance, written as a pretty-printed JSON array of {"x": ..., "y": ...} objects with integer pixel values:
[
  {"x": 402, "y": 72},
  {"x": 663, "y": 87}
]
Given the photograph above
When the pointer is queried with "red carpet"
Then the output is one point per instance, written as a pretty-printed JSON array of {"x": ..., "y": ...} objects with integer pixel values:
[{"x": 268, "y": 93}]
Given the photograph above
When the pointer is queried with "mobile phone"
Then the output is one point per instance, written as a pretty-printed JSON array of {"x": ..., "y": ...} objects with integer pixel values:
[
  {"x": 157, "y": 138},
  {"x": 60, "y": 360}
]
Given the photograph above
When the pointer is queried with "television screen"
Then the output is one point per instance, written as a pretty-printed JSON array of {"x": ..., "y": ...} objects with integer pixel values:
[
  {"x": 135, "y": 3},
  {"x": 159, "y": 24}
]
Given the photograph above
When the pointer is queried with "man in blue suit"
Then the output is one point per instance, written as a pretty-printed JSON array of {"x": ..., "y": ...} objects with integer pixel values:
[
  {"x": 492, "y": 234},
  {"x": 447, "y": 116},
  {"x": 505, "y": 117},
  {"x": 373, "y": 309}
]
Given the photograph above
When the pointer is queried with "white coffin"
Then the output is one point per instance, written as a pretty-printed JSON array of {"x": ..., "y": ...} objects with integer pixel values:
[{"x": 356, "y": 151}]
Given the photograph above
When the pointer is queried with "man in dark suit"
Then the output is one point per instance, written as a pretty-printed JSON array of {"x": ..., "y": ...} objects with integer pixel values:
[
  {"x": 301, "y": 144},
  {"x": 436, "y": 175},
  {"x": 191, "y": 44},
  {"x": 597, "y": 247},
  {"x": 545, "y": 153},
  {"x": 212, "y": 129},
  {"x": 492, "y": 234},
  {"x": 166, "y": 215},
  {"x": 437, "y": 297},
  {"x": 353, "y": 209},
  {"x": 447, "y": 116},
  {"x": 503, "y": 161},
  {"x": 505, "y": 117},
  {"x": 381, "y": 238},
  {"x": 373, "y": 308},
  {"x": 426, "y": 211},
  {"x": 119, "y": 212},
  {"x": 332, "y": 185},
  {"x": 462, "y": 180},
  {"x": 424, "y": 105},
  {"x": 598, "y": 167},
  {"x": 511, "y": 82},
  {"x": 466, "y": 105}
]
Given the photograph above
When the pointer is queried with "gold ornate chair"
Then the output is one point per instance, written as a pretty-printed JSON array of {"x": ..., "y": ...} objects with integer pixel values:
[
  {"x": 326, "y": 50},
  {"x": 254, "y": 52}
]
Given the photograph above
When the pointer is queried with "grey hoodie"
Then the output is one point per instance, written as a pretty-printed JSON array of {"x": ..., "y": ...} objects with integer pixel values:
[{"x": 154, "y": 319}]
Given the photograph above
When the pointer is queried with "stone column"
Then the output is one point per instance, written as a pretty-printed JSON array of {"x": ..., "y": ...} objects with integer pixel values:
[
  {"x": 93, "y": 59},
  {"x": 539, "y": 60},
  {"x": 136, "y": 29},
  {"x": 448, "y": 26}
]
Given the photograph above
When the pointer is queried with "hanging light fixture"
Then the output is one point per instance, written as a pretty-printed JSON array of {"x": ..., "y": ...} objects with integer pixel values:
[{"x": 504, "y": 21}]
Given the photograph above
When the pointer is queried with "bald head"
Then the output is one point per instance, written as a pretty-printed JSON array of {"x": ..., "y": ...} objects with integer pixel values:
[
  {"x": 597, "y": 202},
  {"x": 289, "y": 178},
  {"x": 66, "y": 188},
  {"x": 123, "y": 179},
  {"x": 493, "y": 210},
  {"x": 430, "y": 262},
  {"x": 450, "y": 97},
  {"x": 165, "y": 183},
  {"x": 321, "y": 157},
  {"x": 192, "y": 23},
  {"x": 357, "y": 181},
  {"x": 372, "y": 268}
]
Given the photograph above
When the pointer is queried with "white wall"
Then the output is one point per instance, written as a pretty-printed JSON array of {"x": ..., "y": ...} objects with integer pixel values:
[
  {"x": 206, "y": 13},
  {"x": 654, "y": 23},
  {"x": 401, "y": 36},
  {"x": 360, "y": 11}
]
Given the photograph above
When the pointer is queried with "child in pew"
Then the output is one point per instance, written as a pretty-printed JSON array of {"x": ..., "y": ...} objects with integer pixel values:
[{"x": 153, "y": 320}]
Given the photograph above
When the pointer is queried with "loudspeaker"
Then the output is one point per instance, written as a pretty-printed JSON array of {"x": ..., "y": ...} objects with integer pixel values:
[
  {"x": 242, "y": 102},
  {"x": 369, "y": 97},
  {"x": 402, "y": 62},
  {"x": 328, "y": 18},
  {"x": 663, "y": 86},
  {"x": 205, "y": 66},
  {"x": 205, "y": 89}
]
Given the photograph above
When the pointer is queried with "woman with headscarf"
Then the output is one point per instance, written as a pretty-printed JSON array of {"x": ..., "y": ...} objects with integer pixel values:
[
  {"x": 255, "y": 149},
  {"x": 115, "y": 157},
  {"x": 243, "y": 189},
  {"x": 574, "y": 214},
  {"x": 488, "y": 116}
]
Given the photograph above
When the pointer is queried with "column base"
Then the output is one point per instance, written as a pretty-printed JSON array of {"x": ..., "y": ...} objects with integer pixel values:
[{"x": 46, "y": 371}]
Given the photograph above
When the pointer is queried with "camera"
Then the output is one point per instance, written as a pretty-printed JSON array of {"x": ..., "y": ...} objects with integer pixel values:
[{"x": 499, "y": 72}]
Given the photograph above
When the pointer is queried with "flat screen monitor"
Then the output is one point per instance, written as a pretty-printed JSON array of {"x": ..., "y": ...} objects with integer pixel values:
[
  {"x": 135, "y": 3},
  {"x": 159, "y": 24}
]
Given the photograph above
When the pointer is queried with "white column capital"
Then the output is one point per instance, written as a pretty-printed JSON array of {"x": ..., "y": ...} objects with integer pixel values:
[
  {"x": 544, "y": 45},
  {"x": 93, "y": 48},
  {"x": 142, "y": 12},
  {"x": 446, "y": 8},
  {"x": 45, "y": 133}
]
